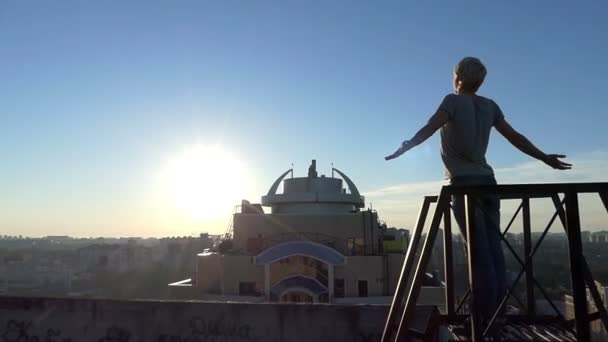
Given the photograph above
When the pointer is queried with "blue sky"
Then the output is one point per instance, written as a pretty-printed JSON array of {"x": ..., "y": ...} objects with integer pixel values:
[{"x": 96, "y": 97}]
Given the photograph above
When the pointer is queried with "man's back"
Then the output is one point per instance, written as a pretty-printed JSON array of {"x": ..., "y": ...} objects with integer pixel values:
[
  {"x": 465, "y": 121},
  {"x": 465, "y": 136}
]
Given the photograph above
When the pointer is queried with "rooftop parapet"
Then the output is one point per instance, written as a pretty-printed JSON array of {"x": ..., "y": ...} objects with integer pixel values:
[{"x": 72, "y": 319}]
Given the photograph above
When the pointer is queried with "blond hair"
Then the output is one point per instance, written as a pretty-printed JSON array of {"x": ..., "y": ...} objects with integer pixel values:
[{"x": 470, "y": 73}]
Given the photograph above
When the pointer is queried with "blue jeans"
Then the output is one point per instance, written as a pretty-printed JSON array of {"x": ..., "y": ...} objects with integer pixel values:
[{"x": 490, "y": 275}]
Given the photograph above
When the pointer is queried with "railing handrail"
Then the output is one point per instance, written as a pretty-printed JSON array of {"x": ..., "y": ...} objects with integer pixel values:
[{"x": 533, "y": 190}]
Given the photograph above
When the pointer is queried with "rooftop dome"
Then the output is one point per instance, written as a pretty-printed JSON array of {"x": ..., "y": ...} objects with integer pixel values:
[{"x": 313, "y": 194}]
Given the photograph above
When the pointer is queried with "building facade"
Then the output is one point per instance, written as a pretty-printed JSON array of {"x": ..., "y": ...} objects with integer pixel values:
[{"x": 314, "y": 243}]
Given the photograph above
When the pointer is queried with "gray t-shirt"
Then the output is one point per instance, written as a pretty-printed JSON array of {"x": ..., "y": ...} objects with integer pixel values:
[{"x": 464, "y": 138}]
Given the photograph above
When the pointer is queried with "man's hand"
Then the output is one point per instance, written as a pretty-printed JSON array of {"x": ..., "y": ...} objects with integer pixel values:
[
  {"x": 396, "y": 154},
  {"x": 401, "y": 150},
  {"x": 553, "y": 161},
  {"x": 523, "y": 144},
  {"x": 435, "y": 122}
]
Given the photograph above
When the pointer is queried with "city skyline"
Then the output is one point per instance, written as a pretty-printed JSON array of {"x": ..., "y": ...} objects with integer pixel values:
[{"x": 112, "y": 112}]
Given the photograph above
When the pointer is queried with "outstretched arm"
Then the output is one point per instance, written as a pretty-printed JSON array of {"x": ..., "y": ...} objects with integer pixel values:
[
  {"x": 435, "y": 122},
  {"x": 523, "y": 144}
]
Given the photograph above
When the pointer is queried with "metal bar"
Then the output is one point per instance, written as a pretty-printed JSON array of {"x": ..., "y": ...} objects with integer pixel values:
[
  {"x": 559, "y": 207},
  {"x": 503, "y": 302},
  {"x": 531, "y": 307},
  {"x": 448, "y": 262},
  {"x": 432, "y": 199},
  {"x": 535, "y": 249},
  {"x": 512, "y": 220},
  {"x": 597, "y": 299},
  {"x": 576, "y": 267},
  {"x": 521, "y": 272},
  {"x": 476, "y": 331},
  {"x": 463, "y": 300},
  {"x": 504, "y": 233},
  {"x": 604, "y": 198},
  {"x": 528, "y": 259},
  {"x": 427, "y": 248},
  {"x": 466, "y": 295},
  {"x": 408, "y": 262},
  {"x": 515, "y": 191}
]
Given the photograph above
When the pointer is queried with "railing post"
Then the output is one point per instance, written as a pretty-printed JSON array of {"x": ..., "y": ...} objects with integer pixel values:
[
  {"x": 408, "y": 262},
  {"x": 531, "y": 301},
  {"x": 599, "y": 303},
  {"x": 448, "y": 262},
  {"x": 604, "y": 198},
  {"x": 330, "y": 282},
  {"x": 427, "y": 249},
  {"x": 476, "y": 329},
  {"x": 575, "y": 249}
]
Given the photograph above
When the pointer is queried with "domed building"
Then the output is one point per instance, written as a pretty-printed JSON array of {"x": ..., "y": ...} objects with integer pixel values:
[{"x": 316, "y": 243}]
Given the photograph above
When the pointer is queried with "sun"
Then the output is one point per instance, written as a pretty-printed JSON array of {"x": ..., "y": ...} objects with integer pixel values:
[{"x": 204, "y": 182}]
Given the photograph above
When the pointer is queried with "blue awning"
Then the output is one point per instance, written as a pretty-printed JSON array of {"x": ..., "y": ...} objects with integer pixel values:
[
  {"x": 305, "y": 248},
  {"x": 298, "y": 282}
]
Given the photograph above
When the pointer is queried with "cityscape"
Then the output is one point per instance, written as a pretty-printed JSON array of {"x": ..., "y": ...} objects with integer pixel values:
[
  {"x": 96, "y": 267},
  {"x": 296, "y": 171},
  {"x": 99, "y": 267},
  {"x": 315, "y": 243}
]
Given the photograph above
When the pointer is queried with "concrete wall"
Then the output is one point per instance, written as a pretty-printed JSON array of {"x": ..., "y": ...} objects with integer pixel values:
[
  {"x": 368, "y": 268},
  {"x": 63, "y": 320},
  {"x": 233, "y": 269},
  {"x": 395, "y": 265},
  {"x": 221, "y": 275},
  {"x": 240, "y": 268},
  {"x": 208, "y": 273},
  {"x": 361, "y": 225}
]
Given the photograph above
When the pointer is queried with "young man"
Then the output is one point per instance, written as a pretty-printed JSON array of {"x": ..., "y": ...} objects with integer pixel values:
[{"x": 465, "y": 120}]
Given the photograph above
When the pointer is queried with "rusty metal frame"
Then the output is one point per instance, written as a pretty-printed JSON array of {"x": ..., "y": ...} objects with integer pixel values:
[{"x": 570, "y": 218}]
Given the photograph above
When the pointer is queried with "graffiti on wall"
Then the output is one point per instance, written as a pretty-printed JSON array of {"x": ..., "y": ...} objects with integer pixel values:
[
  {"x": 198, "y": 329},
  {"x": 203, "y": 330},
  {"x": 116, "y": 334},
  {"x": 21, "y": 331}
]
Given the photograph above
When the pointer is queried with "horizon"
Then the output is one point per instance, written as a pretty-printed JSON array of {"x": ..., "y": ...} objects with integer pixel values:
[
  {"x": 146, "y": 119},
  {"x": 16, "y": 237}
]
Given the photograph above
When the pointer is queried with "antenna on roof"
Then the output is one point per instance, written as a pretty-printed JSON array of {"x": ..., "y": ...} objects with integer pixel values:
[
  {"x": 291, "y": 170},
  {"x": 332, "y": 170}
]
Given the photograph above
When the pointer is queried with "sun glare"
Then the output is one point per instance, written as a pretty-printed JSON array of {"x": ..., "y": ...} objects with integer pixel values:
[{"x": 205, "y": 182}]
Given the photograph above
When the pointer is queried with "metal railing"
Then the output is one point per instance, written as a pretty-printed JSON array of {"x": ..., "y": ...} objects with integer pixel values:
[{"x": 567, "y": 210}]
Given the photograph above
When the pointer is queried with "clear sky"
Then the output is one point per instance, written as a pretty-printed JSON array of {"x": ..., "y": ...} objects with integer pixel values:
[{"x": 105, "y": 104}]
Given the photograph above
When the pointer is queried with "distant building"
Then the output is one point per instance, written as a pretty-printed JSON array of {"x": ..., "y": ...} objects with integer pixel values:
[
  {"x": 116, "y": 258},
  {"x": 597, "y": 328},
  {"x": 317, "y": 244},
  {"x": 58, "y": 238},
  {"x": 600, "y": 237},
  {"x": 586, "y": 236}
]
